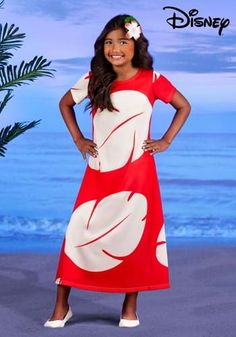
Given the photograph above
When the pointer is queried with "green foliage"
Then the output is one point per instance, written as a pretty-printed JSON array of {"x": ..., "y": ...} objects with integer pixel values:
[
  {"x": 12, "y": 76},
  {"x": 6, "y": 98},
  {"x": 12, "y": 131}
]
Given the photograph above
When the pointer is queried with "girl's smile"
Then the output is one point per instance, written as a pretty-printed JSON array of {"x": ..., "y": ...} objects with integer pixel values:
[{"x": 118, "y": 49}]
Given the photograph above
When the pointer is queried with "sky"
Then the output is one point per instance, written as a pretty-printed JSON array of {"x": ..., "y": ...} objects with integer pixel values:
[{"x": 197, "y": 60}]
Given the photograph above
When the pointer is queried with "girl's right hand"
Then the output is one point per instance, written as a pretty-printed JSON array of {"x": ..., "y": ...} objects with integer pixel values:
[{"x": 86, "y": 145}]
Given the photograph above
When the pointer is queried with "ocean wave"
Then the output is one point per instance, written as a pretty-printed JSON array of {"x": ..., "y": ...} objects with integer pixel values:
[
  {"x": 199, "y": 182},
  {"x": 201, "y": 226},
  {"x": 16, "y": 226},
  {"x": 13, "y": 227}
]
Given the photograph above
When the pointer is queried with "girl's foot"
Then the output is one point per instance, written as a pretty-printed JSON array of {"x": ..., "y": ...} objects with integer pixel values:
[
  {"x": 129, "y": 306},
  {"x": 129, "y": 320},
  {"x": 59, "y": 312},
  {"x": 59, "y": 323},
  {"x": 129, "y": 315}
]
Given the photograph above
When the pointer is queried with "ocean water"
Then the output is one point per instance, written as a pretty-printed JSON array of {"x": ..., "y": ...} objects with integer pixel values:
[{"x": 41, "y": 175}]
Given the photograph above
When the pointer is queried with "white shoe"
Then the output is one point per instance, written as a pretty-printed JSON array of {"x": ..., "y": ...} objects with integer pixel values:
[
  {"x": 129, "y": 323},
  {"x": 59, "y": 323}
]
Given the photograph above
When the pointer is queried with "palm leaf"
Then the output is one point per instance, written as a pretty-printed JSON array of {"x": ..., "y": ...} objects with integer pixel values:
[
  {"x": 6, "y": 98},
  {"x": 9, "y": 38},
  {"x": 1, "y": 3},
  {"x": 12, "y": 76},
  {"x": 3, "y": 57},
  {"x": 12, "y": 131}
]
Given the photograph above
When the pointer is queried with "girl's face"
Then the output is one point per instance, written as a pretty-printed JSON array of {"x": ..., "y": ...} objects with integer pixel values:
[{"x": 118, "y": 49}]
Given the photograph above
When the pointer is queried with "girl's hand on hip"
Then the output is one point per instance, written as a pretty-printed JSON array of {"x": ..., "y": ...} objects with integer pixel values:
[
  {"x": 86, "y": 145},
  {"x": 155, "y": 145}
]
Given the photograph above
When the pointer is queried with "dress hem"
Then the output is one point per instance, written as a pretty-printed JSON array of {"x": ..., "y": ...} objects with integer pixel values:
[{"x": 115, "y": 289}]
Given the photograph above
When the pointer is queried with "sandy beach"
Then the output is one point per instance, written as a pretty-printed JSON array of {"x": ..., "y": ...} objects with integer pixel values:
[{"x": 200, "y": 303}]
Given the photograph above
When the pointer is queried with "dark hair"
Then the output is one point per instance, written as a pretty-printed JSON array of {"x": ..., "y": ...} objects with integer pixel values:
[{"x": 102, "y": 72}]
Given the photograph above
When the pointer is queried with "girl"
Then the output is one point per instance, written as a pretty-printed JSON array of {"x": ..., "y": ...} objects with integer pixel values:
[{"x": 115, "y": 240}]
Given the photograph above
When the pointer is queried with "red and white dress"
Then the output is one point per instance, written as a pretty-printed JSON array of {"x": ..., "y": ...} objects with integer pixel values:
[{"x": 115, "y": 240}]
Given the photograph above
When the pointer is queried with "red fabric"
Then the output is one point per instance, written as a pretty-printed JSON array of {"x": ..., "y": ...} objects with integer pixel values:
[
  {"x": 163, "y": 89},
  {"x": 140, "y": 269}
]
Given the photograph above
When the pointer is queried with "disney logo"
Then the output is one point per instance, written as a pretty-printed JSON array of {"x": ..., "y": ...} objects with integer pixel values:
[{"x": 189, "y": 19}]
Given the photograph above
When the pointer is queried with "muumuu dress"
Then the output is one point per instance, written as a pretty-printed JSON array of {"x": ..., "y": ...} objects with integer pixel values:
[{"x": 115, "y": 240}]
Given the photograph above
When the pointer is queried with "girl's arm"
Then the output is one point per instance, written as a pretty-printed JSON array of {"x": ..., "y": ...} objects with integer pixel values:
[
  {"x": 183, "y": 108},
  {"x": 85, "y": 145},
  {"x": 66, "y": 105}
]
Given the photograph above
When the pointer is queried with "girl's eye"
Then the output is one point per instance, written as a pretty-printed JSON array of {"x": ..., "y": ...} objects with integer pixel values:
[{"x": 110, "y": 42}]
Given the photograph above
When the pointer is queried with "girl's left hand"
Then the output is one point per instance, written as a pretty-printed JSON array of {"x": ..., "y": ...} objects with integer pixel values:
[{"x": 155, "y": 145}]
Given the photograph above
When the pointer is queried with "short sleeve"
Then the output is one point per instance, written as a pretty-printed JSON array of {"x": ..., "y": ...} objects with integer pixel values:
[
  {"x": 79, "y": 90},
  {"x": 163, "y": 88}
]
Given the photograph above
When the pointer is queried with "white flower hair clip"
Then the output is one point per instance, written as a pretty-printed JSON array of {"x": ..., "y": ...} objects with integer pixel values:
[{"x": 132, "y": 27}]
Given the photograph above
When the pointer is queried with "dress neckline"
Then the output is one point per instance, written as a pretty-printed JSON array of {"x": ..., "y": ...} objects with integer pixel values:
[{"x": 131, "y": 78}]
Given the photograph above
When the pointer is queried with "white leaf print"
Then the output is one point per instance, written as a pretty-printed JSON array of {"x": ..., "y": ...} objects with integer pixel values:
[
  {"x": 155, "y": 76},
  {"x": 118, "y": 133},
  {"x": 161, "y": 251},
  {"x": 101, "y": 234},
  {"x": 79, "y": 90}
]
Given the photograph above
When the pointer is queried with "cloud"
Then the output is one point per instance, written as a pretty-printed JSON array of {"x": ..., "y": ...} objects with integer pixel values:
[
  {"x": 67, "y": 29},
  {"x": 181, "y": 59},
  {"x": 199, "y": 61},
  {"x": 80, "y": 12},
  {"x": 195, "y": 53},
  {"x": 59, "y": 10},
  {"x": 69, "y": 67}
]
